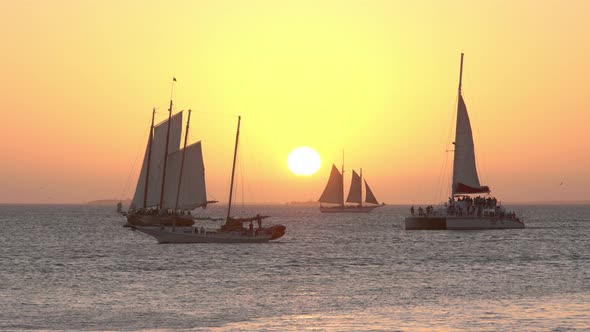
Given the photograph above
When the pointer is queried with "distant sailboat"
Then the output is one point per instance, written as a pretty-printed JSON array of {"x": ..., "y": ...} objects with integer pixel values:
[
  {"x": 334, "y": 194},
  {"x": 463, "y": 211}
]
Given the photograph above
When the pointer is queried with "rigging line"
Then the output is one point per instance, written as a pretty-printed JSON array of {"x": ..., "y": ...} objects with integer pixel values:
[
  {"x": 242, "y": 180},
  {"x": 241, "y": 177},
  {"x": 441, "y": 176},
  {"x": 438, "y": 193},
  {"x": 438, "y": 182},
  {"x": 450, "y": 184},
  {"x": 132, "y": 168}
]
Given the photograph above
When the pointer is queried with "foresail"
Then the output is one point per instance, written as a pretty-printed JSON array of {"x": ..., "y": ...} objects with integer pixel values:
[
  {"x": 157, "y": 161},
  {"x": 370, "y": 197},
  {"x": 355, "y": 193},
  {"x": 465, "y": 179},
  {"x": 137, "y": 201},
  {"x": 333, "y": 192},
  {"x": 192, "y": 187},
  {"x": 193, "y": 192}
]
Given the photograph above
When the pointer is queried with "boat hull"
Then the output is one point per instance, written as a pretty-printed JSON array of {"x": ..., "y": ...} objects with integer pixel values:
[
  {"x": 190, "y": 235},
  {"x": 460, "y": 223},
  {"x": 348, "y": 209},
  {"x": 158, "y": 220}
]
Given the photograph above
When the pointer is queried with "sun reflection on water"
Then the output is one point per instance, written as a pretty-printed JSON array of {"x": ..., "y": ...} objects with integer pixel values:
[{"x": 557, "y": 314}]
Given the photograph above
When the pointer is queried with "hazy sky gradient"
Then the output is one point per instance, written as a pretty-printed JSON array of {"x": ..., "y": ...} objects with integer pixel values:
[{"x": 375, "y": 78}]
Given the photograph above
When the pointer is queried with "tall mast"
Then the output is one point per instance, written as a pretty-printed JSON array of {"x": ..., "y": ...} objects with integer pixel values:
[
  {"x": 461, "y": 74},
  {"x": 361, "y": 204},
  {"x": 147, "y": 171},
  {"x": 166, "y": 149},
  {"x": 455, "y": 149},
  {"x": 182, "y": 161},
  {"x": 342, "y": 178},
  {"x": 233, "y": 169}
]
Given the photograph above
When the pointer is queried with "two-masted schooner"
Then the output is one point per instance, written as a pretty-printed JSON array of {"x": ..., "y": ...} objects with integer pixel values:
[
  {"x": 464, "y": 210},
  {"x": 334, "y": 194},
  {"x": 172, "y": 183}
]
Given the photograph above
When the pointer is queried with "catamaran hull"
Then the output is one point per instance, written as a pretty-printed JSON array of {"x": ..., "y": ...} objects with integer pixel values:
[
  {"x": 460, "y": 223},
  {"x": 188, "y": 235},
  {"x": 352, "y": 209}
]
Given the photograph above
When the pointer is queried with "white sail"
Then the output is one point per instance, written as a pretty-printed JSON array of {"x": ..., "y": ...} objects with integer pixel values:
[
  {"x": 355, "y": 193},
  {"x": 370, "y": 197},
  {"x": 333, "y": 193},
  {"x": 465, "y": 179},
  {"x": 157, "y": 161},
  {"x": 192, "y": 192}
]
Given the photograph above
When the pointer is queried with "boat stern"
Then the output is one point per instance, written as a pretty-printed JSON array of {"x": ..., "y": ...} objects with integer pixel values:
[{"x": 276, "y": 231}]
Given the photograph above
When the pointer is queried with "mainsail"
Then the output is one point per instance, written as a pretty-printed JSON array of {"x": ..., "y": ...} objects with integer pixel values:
[
  {"x": 157, "y": 161},
  {"x": 370, "y": 197},
  {"x": 192, "y": 192},
  {"x": 355, "y": 193},
  {"x": 333, "y": 193},
  {"x": 465, "y": 179}
]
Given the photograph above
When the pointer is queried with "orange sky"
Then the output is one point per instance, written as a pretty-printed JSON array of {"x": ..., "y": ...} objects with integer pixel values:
[{"x": 375, "y": 78}]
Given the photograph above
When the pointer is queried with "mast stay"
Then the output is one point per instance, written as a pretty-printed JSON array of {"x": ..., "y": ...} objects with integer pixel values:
[{"x": 233, "y": 170}]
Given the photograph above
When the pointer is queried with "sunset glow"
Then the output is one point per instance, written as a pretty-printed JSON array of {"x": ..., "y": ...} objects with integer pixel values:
[
  {"x": 304, "y": 161},
  {"x": 376, "y": 78}
]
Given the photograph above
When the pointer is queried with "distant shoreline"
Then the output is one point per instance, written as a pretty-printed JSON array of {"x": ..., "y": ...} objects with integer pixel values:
[{"x": 106, "y": 202}]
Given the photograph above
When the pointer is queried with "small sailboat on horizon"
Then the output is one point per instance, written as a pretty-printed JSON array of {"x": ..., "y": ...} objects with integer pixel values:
[
  {"x": 334, "y": 194},
  {"x": 464, "y": 211}
]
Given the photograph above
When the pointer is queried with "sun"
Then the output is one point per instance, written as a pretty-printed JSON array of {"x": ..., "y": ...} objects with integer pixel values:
[{"x": 304, "y": 161}]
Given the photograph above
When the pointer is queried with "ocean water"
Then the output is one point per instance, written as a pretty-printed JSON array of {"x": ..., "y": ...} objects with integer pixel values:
[{"x": 76, "y": 268}]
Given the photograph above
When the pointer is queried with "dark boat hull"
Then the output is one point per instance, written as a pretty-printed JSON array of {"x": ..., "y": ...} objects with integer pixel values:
[
  {"x": 191, "y": 235},
  {"x": 347, "y": 209},
  {"x": 460, "y": 223},
  {"x": 157, "y": 220}
]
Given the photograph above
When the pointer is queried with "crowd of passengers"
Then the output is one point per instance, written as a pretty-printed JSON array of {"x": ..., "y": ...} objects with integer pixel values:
[
  {"x": 158, "y": 212},
  {"x": 468, "y": 206}
]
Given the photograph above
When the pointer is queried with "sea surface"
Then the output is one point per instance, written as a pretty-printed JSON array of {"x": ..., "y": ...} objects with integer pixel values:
[{"x": 75, "y": 268}]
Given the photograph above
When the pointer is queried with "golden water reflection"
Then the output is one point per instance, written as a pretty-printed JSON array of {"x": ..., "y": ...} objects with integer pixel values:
[{"x": 555, "y": 314}]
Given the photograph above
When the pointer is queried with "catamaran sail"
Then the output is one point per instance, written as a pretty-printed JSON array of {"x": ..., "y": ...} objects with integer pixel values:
[{"x": 465, "y": 179}]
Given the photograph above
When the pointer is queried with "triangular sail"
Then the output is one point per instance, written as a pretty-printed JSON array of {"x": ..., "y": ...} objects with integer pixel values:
[
  {"x": 370, "y": 197},
  {"x": 465, "y": 179},
  {"x": 157, "y": 161},
  {"x": 192, "y": 187},
  {"x": 355, "y": 193},
  {"x": 333, "y": 193}
]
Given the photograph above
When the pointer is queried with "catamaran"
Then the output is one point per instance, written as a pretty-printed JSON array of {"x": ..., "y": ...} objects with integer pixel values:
[
  {"x": 464, "y": 210},
  {"x": 166, "y": 194},
  {"x": 334, "y": 194}
]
